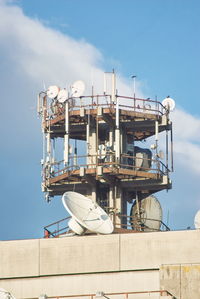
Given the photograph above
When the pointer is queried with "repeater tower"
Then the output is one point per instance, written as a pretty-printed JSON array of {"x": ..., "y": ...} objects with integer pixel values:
[{"x": 94, "y": 145}]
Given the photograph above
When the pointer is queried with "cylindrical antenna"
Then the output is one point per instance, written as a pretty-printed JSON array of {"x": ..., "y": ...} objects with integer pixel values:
[
  {"x": 133, "y": 77},
  {"x": 104, "y": 83},
  {"x": 75, "y": 152},
  {"x": 172, "y": 156},
  {"x": 66, "y": 137},
  {"x": 156, "y": 131},
  {"x": 113, "y": 86},
  {"x": 167, "y": 150}
]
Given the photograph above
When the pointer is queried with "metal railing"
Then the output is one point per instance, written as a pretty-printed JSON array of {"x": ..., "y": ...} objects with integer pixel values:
[
  {"x": 126, "y": 162},
  {"x": 129, "y": 223},
  {"x": 125, "y": 295},
  {"x": 56, "y": 228},
  {"x": 51, "y": 108}
]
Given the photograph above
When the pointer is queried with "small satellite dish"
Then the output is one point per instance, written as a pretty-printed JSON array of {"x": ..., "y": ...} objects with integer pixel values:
[
  {"x": 52, "y": 91},
  {"x": 138, "y": 160},
  {"x": 169, "y": 103},
  {"x": 153, "y": 146},
  {"x": 102, "y": 151},
  {"x": 62, "y": 95},
  {"x": 197, "y": 220},
  {"x": 78, "y": 88},
  {"x": 150, "y": 214},
  {"x": 86, "y": 214},
  {"x": 5, "y": 294}
]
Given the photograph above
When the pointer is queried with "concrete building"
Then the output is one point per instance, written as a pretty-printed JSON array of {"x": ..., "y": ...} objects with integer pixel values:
[{"x": 134, "y": 265}]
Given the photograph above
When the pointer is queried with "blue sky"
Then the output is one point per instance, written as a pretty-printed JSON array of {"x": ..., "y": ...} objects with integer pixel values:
[{"x": 61, "y": 41}]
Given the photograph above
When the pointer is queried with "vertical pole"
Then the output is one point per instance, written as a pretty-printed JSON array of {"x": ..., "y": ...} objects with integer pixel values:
[
  {"x": 167, "y": 150},
  {"x": 66, "y": 137},
  {"x": 117, "y": 133},
  {"x": 75, "y": 152},
  {"x": 113, "y": 86},
  {"x": 156, "y": 139},
  {"x": 133, "y": 77},
  {"x": 172, "y": 156},
  {"x": 97, "y": 133},
  {"x": 137, "y": 205},
  {"x": 104, "y": 83},
  {"x": 48, "y": 146}
]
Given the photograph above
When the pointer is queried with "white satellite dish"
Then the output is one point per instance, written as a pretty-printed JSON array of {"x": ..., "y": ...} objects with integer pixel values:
[
  {"x": 138, "y": 160},
  {"x": 150, "y": 214},
  {"x": 169, "y": 103},
  {"x": 62, "y": 95},
  {"x": 78, "y": 88},
  {"x": 197, "y": 220},
  {"x": 5, "y": 294},
  {"x": 52, "y": 91},
  {"x": 102, "y": 151},
  {"x": 86, "y": 214}
]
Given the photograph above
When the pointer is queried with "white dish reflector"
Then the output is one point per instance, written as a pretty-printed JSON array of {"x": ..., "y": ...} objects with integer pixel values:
[
  {"x": 86, "y": 214},
  {"x": 5, "y": 294},
  {"x": 78, "y": 88},
  {"x": 52, "y": 91},
  {"x": 169, "y": 103},
  {"x": 151, "y": 214},
  {"x": 62, "y": 95},
  {"x": 197, "y": 220}
]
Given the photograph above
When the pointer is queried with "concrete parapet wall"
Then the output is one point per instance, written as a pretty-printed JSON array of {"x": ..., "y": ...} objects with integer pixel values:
[
  {"x": 111, "y": 263},
  {"x": 63, "y": 285},
  {"x": 183, "y": 281},
  {"x": 19, "y": 258},
  {"x": 79, "y": 255},
  {"x": 98, "y": 253},
  {"x": 150, "y": 250}
]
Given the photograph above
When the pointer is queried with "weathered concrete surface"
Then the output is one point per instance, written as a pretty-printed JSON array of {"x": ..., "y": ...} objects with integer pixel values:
[
  {"x": 183, "y": 281},
  {"x": 19, "y": 258},
  {"x": 190, "y": 281},
  {"x": 63, "y": 285},
  {"x": 170, "y": 279},
  {"x": 79, "y": 255},
  {"x": 32, "y": 267},
  {"x": 98, "y": 253},
  {"x": 150, "y": 250}
]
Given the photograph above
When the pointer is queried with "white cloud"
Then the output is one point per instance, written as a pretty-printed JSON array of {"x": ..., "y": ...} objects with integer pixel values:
[
  {"x": 187, "y": 126},
  {"x": 187, "y": 140},
  {"x": 47, "y": 55}
]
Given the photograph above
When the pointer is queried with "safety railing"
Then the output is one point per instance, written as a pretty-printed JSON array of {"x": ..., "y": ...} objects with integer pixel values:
[
  {"x": 119, "y": 295},
  {"x": 129, "y": 223},
  {"x": 52, "y": 108},
  {"x": 57, "y": 228},
  {"x": 107, "y": 161},
  {"x": 140, "y": 223}
]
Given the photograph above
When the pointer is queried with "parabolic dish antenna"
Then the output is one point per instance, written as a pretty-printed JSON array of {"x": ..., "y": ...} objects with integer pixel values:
[
  {"x": 197, "y": 220},
  {"x": 5, "y": 294},
  {"x": 86, "y": 214},
  {"x": 78, "y": 88},
  {"x": 62, "y": 95},
  {"x": 169, "y": 103},
  {"x": 52, "y": 91},
  {"x": 138, "y": 160},
  {"x": 150, "y": 214}
]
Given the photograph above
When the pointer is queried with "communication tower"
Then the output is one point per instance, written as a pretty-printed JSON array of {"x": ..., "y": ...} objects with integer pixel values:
[{"x": 95, "y": 145}]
